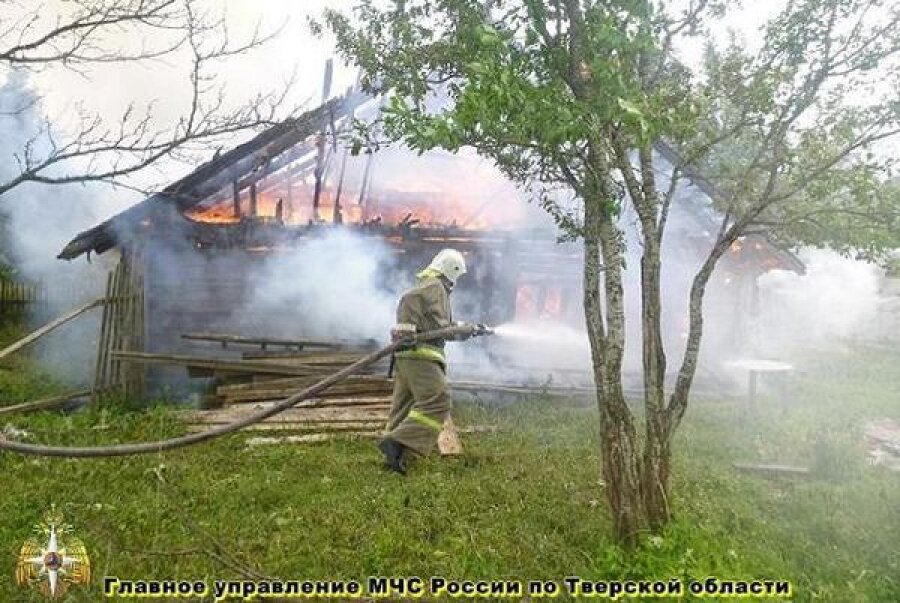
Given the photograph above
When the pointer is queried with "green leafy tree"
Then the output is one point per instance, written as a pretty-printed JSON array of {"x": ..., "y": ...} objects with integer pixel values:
[{"x": 578, "y": 96}]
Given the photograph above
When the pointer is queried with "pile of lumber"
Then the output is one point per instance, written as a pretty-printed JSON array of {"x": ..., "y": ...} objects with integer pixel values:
[
  {"x": 270, "y": 369},
  {"x": 353, "y": 391},
  {"x": 297, "y": 364},
  {"x": 331, "y": 415}
]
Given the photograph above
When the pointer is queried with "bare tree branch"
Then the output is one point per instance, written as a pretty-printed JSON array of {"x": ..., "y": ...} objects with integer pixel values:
[{"x": 89, "y": 34}]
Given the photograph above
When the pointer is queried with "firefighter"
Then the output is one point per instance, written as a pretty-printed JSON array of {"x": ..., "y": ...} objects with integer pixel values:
[{"x": 421, "y": 398}]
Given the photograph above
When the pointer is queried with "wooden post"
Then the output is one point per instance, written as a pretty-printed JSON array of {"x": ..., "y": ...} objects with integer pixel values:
[
  {"x": 326, "y": 83},
  {"x": 254, "y": 208},
  {"x": 365, "y": 180},
  {"x": 115, "y": 322},
  {"x": 755, "y": 326},
  {"x": 236, "y": 199},
  {"x": 133, "y": 379},
  {"x": 127, "y": 334},
  {"x": 319, "y": 174},
  {"x": 752, "y": 382},
  {"x": 337, "y": 217},
  {"x": 102, "y": 342},
  {"x": 320, "y": 143},
  {"x": 289, "y": 183},
  {"x": 541, "y": 300}
]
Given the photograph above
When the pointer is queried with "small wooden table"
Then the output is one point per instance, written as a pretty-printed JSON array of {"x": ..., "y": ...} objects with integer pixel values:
[{"x": 756, "y": 367}]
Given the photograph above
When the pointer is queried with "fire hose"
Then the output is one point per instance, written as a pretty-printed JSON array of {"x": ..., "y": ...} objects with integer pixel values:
[{"x": 295, "y": 401}]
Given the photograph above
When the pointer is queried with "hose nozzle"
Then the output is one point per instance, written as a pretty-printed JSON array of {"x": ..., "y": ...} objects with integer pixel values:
[{"x": 480, "y": 330}]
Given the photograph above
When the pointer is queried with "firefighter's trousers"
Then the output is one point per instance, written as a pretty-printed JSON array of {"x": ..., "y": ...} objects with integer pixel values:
[{"x": 421, "y": 404}]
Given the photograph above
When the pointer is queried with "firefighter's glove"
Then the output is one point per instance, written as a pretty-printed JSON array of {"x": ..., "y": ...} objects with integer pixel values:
[
  {"x": 403, "y": 331},
  {"x": 472, "y": 330}
]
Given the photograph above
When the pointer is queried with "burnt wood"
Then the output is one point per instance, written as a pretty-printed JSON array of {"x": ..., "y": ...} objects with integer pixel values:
[{"x": 211, "y": 177}]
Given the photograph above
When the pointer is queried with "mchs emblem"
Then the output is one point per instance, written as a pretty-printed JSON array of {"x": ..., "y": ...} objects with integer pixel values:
[{"x": 53, "y": 559}]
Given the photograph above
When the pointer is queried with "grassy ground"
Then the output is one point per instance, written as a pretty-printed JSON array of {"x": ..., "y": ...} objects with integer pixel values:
[{"x": 524, "y": 503}]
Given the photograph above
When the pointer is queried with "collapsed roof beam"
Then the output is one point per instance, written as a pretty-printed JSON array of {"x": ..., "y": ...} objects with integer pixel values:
[
  {"x": 213, "y": 176},
  {"x": 275, "y": 166},
  {"x": 299, "y": 169},
  {"x": 247, "y": 158}
]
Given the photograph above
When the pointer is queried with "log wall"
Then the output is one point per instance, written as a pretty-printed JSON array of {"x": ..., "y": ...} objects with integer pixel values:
[
  {"x": 210, "y": 290},
  {"x": 189, "y": 287}
]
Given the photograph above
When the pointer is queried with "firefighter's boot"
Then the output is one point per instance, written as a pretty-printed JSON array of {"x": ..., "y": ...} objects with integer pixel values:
[{"x": 394, "y": 458}]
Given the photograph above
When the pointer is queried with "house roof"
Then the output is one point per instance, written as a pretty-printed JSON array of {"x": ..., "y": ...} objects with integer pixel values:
[
  {"x": 711, "y": 219},
  {"x": 247, "y": 161},
  {"x": 287, "y": 144}
]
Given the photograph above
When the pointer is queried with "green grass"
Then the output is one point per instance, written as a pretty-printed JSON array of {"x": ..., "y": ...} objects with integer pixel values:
[{"x": 524, "y": 503}]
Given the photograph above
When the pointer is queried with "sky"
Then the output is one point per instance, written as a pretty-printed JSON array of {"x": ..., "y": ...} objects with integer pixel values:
[
  {"x": 295, "y": 48},
  {"x": 162, "y": 86},
  {"x": 295, "y": 53}
]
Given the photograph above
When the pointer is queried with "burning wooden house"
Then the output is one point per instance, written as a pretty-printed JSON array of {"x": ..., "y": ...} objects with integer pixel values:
[{"x": 191, "y": 255}]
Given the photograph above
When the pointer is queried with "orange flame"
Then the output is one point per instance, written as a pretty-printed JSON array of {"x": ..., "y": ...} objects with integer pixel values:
[
  {"x": 535, "y": 301},
  {"x": 415, "y": 209}
]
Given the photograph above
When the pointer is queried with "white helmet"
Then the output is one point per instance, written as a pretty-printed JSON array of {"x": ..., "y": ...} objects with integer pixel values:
[{"x": 450, "y": 263}]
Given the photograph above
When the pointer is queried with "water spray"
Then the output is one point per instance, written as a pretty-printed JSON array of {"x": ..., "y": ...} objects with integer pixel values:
[{"x": 545, "y": 333}]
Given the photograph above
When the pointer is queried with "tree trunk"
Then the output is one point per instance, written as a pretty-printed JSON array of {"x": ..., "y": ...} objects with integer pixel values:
[
  {"x": 656, "y": 453},
  {"x": 657, "y": 450},
  {"x": 620, "y": 468},
  {"x": 679, "y": 399},
  {"x": 657, "y": 470}
]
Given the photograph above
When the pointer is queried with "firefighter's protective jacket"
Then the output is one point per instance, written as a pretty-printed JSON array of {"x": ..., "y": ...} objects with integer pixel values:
[{"x": 427, "y": 306}]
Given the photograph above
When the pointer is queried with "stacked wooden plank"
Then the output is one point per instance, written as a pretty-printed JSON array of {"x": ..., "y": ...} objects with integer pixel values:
[
  {"x": 331, "y": 416},
  {"x": 358, "y": 405},
  {"x": 305, "y": 366},
  {"x": 271, "y": 369},
  {"x": 277, "y": 368},
  {"x": 347, "y": 393}
]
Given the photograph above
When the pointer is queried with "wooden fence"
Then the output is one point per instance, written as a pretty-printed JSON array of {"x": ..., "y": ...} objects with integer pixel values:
[
  {"x": 40, "y": 300},
  {"x": 14, "y": 293},
  {"x": 122, "y": 329}
]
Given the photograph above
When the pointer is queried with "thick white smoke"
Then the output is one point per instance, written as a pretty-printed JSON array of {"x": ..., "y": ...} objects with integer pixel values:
[
  {"x": 39, "y": 221},
  {"x": 331, "y": 286},
  {"x": 539, "y": 352},
  {"x": 837, "y": 298}
]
